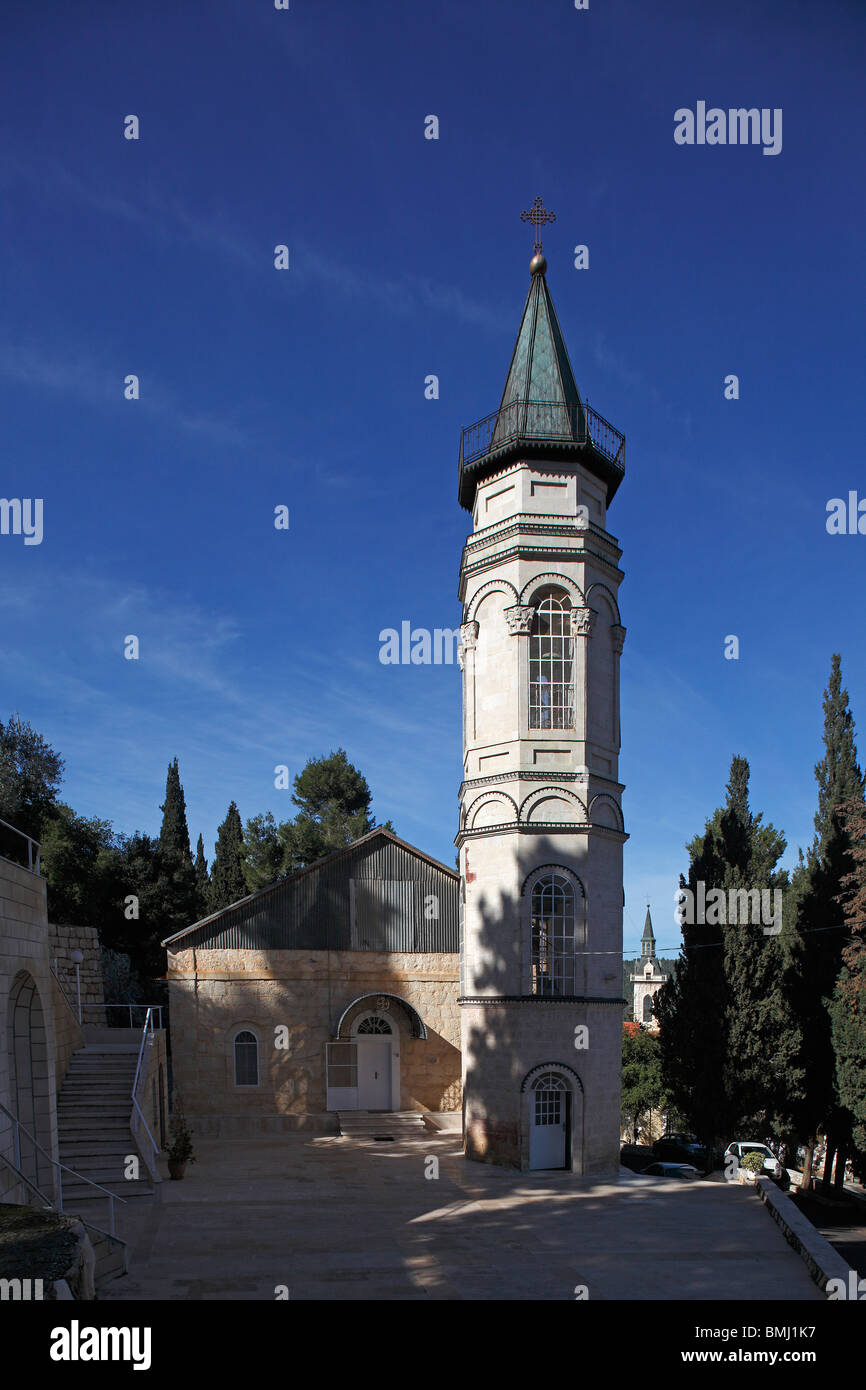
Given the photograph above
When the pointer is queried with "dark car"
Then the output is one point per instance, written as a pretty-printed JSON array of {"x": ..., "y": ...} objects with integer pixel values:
[
  {"x": 670, "y": 1170},
  {"x": 681, "y": 1148}
]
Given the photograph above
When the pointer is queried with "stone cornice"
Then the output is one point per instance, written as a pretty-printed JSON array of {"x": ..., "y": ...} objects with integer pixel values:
[
  {"x": 539, "y": 827},
  {"x": 535, "y": 523},
  {"x": 538, "y": 551},
  {"x": 493, "y": 777},
  {"x": 541, "y": 999}
]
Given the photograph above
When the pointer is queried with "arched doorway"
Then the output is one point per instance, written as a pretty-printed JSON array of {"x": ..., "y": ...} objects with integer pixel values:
[
  {"x": 30, "y": 1082},
  {"x": 375, "y": 1038},
  {"x": 549, "y": 1122}
]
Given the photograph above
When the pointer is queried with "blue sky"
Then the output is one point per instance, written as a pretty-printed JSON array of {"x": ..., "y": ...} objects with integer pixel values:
[{"x": 306, "y": 387}]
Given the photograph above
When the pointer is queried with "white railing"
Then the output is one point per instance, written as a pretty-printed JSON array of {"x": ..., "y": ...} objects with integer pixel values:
[
  {"x": 30, "y": 846},
  {"x": 18, "y": 1128},
  {"x": 137, "y": 1112},
  {"x": 50, "y": 1206},
  {"x": 149, "y": 1008}
]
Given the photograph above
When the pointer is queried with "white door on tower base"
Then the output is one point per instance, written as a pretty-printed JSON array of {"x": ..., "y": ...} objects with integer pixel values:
[
  {"x": 374, "y": 1075},
  {"x": 548, "y": 1122}
]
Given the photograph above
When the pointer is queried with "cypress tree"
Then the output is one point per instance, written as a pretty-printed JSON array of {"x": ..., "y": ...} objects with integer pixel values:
[
  {"x": 721, "y": 1006},
  {"x": 814, "y": 936},
  {"x": 174, "y": 834},
  {"x": 227, "y": 882},
  {"x": 202, "y": 877},
  {"x": 848, "y": 1010}
]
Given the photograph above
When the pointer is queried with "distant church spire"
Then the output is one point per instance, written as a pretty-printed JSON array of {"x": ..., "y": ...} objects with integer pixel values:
[{"x": 648, "y": 941}]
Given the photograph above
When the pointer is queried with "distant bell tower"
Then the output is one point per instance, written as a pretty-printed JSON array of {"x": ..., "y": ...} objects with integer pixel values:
[
  {"x": 541, "y": 826},
  {"x": 649, "y": 979}
]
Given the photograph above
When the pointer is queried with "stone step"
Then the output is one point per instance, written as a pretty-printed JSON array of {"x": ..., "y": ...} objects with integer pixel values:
[{"x": 75, "y": 1193}]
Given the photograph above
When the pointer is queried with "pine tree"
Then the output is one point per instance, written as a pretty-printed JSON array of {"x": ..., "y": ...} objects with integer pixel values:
[
  {"x": 263, "y": 852},
  {"x": 227, "y": 882},
  {"x": 334, "y": 801},
  {"x": 814, "y": 936}
]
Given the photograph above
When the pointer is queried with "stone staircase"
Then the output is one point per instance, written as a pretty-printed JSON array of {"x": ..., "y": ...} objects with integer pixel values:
[
  {"x": 93, "y": 1111},
  {"x": 387, "y": 1126}
]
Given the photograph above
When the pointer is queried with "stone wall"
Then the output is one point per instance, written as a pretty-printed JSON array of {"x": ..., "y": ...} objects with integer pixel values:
[
  {"x": 28, "y": 1032},
  {"x": 62, "y": 941},
  {"x": 214, "y": 992}
]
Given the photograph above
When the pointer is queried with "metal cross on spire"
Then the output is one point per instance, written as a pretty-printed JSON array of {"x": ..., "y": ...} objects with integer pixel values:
[{"x": 537, "y": 215}]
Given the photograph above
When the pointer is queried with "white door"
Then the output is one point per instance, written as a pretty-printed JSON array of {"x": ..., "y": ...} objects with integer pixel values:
[
  {"x": 547, "y": 1128},
  {"x": 374, "y": 1074}
]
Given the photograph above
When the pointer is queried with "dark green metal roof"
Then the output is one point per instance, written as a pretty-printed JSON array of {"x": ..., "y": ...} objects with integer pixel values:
[
  {"x": 540, "y": 369},
  {"x": 541, "y": 414}
]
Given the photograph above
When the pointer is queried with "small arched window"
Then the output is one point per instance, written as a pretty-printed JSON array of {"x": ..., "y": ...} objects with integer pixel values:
[
  {"x": 246, "y": 1059},
  {"x": 648, "y": 1008},
  {"x": 374, "y": 1024},
  {"x": 551, "y": 684},
  {"x": 552, "y": 925}
]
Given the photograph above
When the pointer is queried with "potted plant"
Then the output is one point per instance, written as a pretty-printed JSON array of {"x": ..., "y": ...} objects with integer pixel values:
[
  {"x": 751, "y": 1164},
  {"x": 179, "y": 1152}
]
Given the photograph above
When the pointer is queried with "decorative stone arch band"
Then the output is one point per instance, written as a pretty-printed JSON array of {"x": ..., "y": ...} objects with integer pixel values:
[
  {"x": 595, "y": 592},
  {"x": 526, "y": 1083},
  {"x": 599, "y": 802},
  {"x": 541, "y": 794},
  {"x": 546, "y": 581},
  {"x": 502, "y": 586},
  {"x": 372, "y": 1002},
  {"x": 494, "y": 798},
  {"x": 544, "y": 869}
]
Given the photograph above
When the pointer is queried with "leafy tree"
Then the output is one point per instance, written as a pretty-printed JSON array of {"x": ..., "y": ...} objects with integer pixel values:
[
  {"x": 30, "y": 777},
  {"x": 813, "y": 937},
  {"x": 227, "y": 882},
  {"x": 642, "y": 1087},
  {"x": 75, "y": 852}
]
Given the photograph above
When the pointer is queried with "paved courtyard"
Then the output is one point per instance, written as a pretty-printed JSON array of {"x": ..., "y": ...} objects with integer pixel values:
[{"x": 337, "y": 1218}]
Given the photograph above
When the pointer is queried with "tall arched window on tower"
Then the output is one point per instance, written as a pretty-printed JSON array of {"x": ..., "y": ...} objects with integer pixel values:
[
  {"x": 551, "y": 699},
  {"x": 553, "y": 950}
]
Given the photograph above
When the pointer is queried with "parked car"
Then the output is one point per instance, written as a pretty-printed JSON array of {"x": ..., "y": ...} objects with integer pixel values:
[
  {"x": 772, "y": 1166},
  {"x": 680, "y": 1148},
  {"x": 670, "y": 1170}
]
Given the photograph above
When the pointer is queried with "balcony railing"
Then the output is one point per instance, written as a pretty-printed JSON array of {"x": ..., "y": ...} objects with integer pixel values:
[
  {"x": 31, "y": 853},
  {"x": 542, "y": 422}
]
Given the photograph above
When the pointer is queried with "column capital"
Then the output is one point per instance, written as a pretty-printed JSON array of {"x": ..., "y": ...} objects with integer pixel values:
[
  {"x": 519, "y": 619},
  {"x": 468, "y": 639},
  {"x": 582, "y": 620}
]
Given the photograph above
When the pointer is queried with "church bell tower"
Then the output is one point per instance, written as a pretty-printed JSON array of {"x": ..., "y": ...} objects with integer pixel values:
[{"x": 541, "y": 827}]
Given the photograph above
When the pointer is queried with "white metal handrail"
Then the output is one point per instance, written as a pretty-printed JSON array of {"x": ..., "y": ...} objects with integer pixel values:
[
  {"x": 50, "y": 1206},
  {"x": 156, "y": 1007},
  {"x": 16, "y": 1142},
  {"x": 136, "y": 1108},
  {"x": 30, "y": 843}
]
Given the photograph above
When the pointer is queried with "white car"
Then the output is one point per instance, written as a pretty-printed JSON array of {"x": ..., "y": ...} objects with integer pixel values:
[{"x": 772, "y": 1166}]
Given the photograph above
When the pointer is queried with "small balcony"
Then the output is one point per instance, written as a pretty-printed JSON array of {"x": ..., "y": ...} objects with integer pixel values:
[{"x": 540, "y": 428}]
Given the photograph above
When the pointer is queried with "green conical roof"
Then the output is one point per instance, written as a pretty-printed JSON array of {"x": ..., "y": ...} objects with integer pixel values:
[
  {"x": 540, "y": 371},
  {"x": 541, "y": 414}
]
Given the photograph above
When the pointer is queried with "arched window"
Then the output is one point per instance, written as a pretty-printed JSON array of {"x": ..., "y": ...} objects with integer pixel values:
[
  {"x": 552, "y": 917},
  {"x": 246, "y": 1059},
  {"x": 551, "y": 698},
  {"x": 374, "y": 1024},
  {"x": 647, "y": 1008}
]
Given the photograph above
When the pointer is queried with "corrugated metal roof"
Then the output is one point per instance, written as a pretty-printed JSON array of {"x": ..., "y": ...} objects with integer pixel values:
[{"x": 378, "y": 894}]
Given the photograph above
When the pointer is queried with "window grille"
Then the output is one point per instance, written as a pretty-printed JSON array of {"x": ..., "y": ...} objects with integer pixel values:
[
  {"x": 553, "y": 950},
  {"x": 551, "y": 688},
  {"x": 374, "y": 1024}
]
